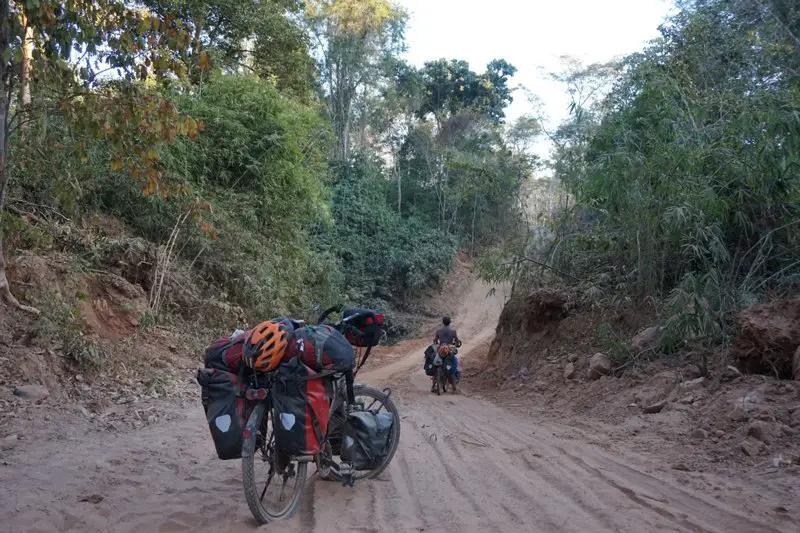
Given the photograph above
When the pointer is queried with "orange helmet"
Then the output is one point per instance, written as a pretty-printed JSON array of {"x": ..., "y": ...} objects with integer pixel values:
[
  {"x": 265, "y": 345},
  {"x": 443, "y": 350}
]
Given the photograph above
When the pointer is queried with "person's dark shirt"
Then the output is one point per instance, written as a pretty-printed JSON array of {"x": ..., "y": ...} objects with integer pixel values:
[{"x": 445, "y": 335}]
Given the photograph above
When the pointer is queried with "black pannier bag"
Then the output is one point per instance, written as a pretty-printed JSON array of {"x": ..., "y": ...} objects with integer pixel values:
[
  {"x": 365, "y": 441},
  {"x": 364, "y": 330},
  {"x": 226, "y": 410},
  {"x": 301, "y": 409},
  {"x": 430, "y": 355}
]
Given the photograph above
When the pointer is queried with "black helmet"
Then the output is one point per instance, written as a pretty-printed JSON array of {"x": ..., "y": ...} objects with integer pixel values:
[{"x": 446, "y": 321}]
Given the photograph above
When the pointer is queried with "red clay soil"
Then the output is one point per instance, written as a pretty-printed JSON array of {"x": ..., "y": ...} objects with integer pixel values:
[{"x": 768, "y": 337}]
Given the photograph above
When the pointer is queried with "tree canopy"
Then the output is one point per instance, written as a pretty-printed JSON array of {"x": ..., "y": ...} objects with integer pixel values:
[
  {"x": 680, "y": 165},
  {"x": 277, "y": 147}
]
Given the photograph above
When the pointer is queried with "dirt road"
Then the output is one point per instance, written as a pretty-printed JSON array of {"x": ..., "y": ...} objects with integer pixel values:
[{"x": 463, "y": 465}]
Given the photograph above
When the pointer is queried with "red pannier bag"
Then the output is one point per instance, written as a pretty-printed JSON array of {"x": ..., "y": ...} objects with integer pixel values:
[{"x": 301, "y": 408}]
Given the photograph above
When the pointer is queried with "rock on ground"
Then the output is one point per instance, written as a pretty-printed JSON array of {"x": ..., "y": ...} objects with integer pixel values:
[
  {"x": 692, "y": 384},
  {"x": 738, "y": 414},
  {"x": 599, "y": 365},
  {"x": 729, "y": 374},
  {"x": 569, "y": 371},
  {"x": 654, "y": 408},
  {"x": 762, "y": 431},
  {"x": 794, "y": 421},
  {"x": 646, "y": 339},
  {"x": 752, "y": 447},
  {"x": 34, "y": 393}
]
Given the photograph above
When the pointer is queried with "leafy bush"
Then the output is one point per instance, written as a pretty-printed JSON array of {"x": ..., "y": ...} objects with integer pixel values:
[
  {"x": 382, "y": 254},
  {"x": 280, "y": 238},
  {"x": 688, "y": 171}
]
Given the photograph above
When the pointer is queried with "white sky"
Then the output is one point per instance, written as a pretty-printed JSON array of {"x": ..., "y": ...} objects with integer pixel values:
[{"x": 531, "y": 35}]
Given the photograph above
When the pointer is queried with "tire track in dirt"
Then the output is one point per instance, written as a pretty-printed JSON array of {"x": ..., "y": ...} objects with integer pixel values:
[
  {"x": 464, "y": 465},
  {"x": 551, "y": 503}
]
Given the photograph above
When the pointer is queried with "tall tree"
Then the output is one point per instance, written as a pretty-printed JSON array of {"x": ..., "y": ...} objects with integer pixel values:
[
  {"x": 105, "y": 36},
  {"x": 352, "y": 41}
]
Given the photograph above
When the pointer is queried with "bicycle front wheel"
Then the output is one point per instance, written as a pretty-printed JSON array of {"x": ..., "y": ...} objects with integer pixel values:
[{"x": 273, "y": 483}]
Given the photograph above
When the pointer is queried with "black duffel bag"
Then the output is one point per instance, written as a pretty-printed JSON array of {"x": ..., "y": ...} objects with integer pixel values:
[
  {"x": 365, "y": 442},
  {"x": 363, "y": 327}
]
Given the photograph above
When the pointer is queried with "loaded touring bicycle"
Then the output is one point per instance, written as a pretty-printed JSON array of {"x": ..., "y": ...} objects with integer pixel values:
[{"x": 308, "y": 410}]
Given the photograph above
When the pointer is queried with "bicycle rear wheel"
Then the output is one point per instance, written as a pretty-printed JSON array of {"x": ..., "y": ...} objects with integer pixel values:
[
  {"x": 376, "y": 401},
  {"x": 264, "y": 470}
]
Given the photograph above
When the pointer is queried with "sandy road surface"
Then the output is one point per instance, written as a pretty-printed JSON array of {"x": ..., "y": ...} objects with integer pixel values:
[{"x": 463, "y": 465}]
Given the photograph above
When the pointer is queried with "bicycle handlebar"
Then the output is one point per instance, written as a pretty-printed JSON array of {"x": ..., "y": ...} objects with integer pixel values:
[
  {"x": 338, "y": 309},
  {"x": 324, "y": 315}
]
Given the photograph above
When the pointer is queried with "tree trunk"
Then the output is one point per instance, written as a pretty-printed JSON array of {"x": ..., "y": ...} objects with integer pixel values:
[
  {"x": 5, "y": 96},
  {"x": 474, "y": 211},
  {"x": 5, "y": 290},
  {"x": 341, "y": 129},
  {"x": 27, "y": 63},
  {"x": 344, "y": 142},
  {"x": 399, "y": 185},
  {"x": 342, "y": 92}
]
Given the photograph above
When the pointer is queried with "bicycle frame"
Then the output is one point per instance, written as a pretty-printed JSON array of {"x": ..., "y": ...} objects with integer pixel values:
[{"x": 341, "y": 389}]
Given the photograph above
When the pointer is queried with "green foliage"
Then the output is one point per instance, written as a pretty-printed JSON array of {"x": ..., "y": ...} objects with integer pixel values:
[
  {"x": 263, "y": 152},
  {"x": 235, "y": 210},
  {"x": 684, "y": 180},
  {"x": 354, "y": 42},
  {"x": 463, "y": 178},
  {"x": 71, "y": 49},
  {"x": 445, "y": 89},
  {"x": 258, "y": 166},
  {"x": 383, "y": 255},
  {"x": 22, "y": 236},
  {"x": 262, "y": 37}
]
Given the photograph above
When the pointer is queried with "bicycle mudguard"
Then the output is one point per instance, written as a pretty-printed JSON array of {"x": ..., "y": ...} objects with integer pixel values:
[
  {"x": 386, "y": 390},
  {"x": 250, "y": 431}
]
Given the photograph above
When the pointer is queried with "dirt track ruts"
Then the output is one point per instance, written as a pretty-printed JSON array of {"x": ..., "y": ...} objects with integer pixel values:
[{"x": 464, "y": 465}]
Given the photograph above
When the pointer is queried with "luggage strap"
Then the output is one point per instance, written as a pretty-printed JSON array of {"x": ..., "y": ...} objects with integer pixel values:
[
  {"x": 315, "y": 424},
  {"x": 364, "y": 358},
  {"x": 241, "y": 391},
  {"x": 319, "y": 375}
]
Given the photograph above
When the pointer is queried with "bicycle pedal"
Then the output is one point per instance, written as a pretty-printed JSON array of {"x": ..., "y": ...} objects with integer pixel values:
[
  {"x": 346, "y": 472},
  {"x": 346, "y": 469}
]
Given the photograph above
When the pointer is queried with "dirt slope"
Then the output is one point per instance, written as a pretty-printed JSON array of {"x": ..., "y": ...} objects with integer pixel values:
[{"x": 463, "y": 465}]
